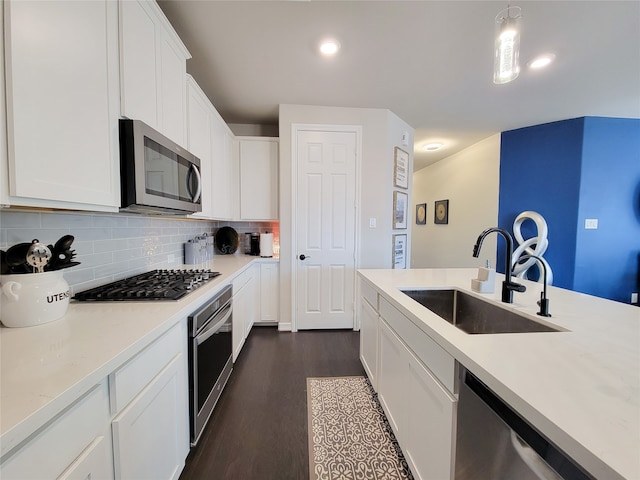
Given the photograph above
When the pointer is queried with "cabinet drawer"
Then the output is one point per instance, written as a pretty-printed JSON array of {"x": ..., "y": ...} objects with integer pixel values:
[
  {"x": 54, "y": 449},
  {"x": 126, "y": 382},
  {"x": 369, "y": 293},
  {"x": 441, "y": 364}
]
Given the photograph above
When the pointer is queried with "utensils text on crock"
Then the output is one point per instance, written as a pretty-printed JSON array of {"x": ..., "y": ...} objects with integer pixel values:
[{"x": 38, "y": 255}]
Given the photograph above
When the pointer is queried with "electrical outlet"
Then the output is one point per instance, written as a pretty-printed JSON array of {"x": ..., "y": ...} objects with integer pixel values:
[
  {"x": 171, "y": 258},
  {"x": 634, "y": 297},
  {"x": 591, "y": 223}
]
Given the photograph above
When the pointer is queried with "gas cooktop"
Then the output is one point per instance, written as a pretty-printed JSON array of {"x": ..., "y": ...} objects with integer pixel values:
[{"x": 154, "y": 285}]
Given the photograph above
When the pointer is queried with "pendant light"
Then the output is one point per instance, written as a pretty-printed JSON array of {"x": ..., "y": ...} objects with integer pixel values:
[{"x": 506, "y": 65}]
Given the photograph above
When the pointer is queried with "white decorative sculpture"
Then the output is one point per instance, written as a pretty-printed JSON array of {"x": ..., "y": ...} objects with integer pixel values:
[{"x": 533, "y": 246}]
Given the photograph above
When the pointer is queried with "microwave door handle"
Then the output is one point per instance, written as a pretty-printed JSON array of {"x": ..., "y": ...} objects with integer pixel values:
[
  {"x": 203, "y": 336},
  {"x": 195, "y": 197}
]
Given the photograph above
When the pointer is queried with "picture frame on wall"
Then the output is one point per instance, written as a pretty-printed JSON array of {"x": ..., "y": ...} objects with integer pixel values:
[
  {"x": 400, "y": 168},
  {"x": 421, "y": 214},
  {"x": 441, "y": 212},
  {"x": 399, "y": 255},
  {"x": 400, "y": 200}
]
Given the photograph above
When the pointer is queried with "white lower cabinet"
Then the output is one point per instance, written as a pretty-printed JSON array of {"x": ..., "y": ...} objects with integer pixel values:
[
  {"x": 419, "y": 404},
  {"x": 147, "y": 441},
  {"x": 133, "y": 425},
  {"x": 369, "y": 335},
  {"x": 269, "y": 293},
  {"x": 149, "y": 396},
  {"x": 94, "y": 462},
  {"x": 245, "y": 306},
  {"x": 393, "y": 379},
  {"x": 429, "y": 436},
  {"x": 75, "y": 444}
]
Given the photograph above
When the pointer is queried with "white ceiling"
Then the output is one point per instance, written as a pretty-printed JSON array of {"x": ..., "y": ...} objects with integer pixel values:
[{"x": 429, "y": 62}]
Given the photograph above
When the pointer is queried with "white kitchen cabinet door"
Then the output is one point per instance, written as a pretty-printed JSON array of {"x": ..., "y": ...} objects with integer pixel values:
[
  {"x": 254, "y": 314},
  {"x": 153, "y": 69},
  {"x": 62, "y": 92},
  {"x": 258, "y": 179},
  {"x": 224, "y": 189},
  {"x": 429, "y": 433},
  {"x": 369, "y": 341},
  {"x": 200, "y": 140},
  {"x": 76, "y": 441},
  {"x": 148, "y": 441},
  {"x": 269, "y": 292},
  {"x": 392, "y": 379},
  {"x": 241, "y": 311},
  {"x": 92, "y": 464}
]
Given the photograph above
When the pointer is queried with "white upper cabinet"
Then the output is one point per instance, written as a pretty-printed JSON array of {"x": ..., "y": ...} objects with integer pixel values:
[
  {"x": 199, "y": 139},
  {"x": 153, "y": 63},
  {"x": 258, "y": 164},
  {"x": 224, "y": 194},
  {"x": 210, "y": 139},
  {"x": 62, "y": 95}
]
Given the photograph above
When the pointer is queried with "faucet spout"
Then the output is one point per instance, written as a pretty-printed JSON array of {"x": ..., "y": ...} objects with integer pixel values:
[
  {"x": 508, "y": 287},
  {"x": 544, "y": 301}
]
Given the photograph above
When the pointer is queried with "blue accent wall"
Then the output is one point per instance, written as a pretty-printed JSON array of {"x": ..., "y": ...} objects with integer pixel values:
[
  {"x": 607, "y": 258},
  {"x": 572, "y": 170},
  {"x": 540, "y": 171}
]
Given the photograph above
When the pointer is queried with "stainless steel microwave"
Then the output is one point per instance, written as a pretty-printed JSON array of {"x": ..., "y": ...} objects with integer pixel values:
[{"x": 156, "y": 175}]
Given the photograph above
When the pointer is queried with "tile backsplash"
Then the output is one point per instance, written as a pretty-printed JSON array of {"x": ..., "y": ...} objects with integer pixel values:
[{"x": 114, "y": 246}]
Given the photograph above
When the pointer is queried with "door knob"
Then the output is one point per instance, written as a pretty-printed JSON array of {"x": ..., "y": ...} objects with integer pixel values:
[{"x": 303, "y": 256}]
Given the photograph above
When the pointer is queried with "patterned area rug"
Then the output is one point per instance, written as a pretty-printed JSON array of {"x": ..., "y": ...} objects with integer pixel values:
[{"x": 349, "y": 435}]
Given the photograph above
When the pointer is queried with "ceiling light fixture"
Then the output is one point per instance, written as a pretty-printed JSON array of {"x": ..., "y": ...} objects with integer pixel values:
[
  {"x": 432, "y": 147},
  {"x": 506, "y": 65},
  {"x": 329, "y": 47},
  {"x": 541, "y": 61}
]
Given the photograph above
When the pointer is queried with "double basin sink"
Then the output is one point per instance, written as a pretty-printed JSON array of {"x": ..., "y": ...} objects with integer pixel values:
[{"x": 475, "y": 316}]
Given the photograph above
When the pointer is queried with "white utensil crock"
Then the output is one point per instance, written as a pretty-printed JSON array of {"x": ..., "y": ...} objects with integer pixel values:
[{"x": 33, "y": 298}]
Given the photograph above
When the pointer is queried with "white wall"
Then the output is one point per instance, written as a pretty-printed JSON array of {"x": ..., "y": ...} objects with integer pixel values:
[
  {"x": 381, "y": 132},
  {"x": 470, "y": 181}
]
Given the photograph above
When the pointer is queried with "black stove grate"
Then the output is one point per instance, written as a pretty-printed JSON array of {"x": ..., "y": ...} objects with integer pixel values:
[{"x": 149, "y": 286}]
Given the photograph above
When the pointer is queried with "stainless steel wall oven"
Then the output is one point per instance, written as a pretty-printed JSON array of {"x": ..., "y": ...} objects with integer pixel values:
[{"x": 210, "y": 358}]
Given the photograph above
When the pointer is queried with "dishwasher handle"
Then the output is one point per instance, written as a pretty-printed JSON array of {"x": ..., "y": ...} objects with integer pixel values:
[{"x": 529, "y": 456}]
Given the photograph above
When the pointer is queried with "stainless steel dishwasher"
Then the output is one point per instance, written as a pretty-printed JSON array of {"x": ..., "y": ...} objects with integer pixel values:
[{"x": 494, "y": 443}]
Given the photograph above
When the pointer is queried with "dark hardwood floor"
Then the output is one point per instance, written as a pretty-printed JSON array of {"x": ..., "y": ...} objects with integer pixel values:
[{"x": 258, "y": 430}]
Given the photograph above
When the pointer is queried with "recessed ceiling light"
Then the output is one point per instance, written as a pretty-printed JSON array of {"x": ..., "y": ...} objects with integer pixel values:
[
  {"x": 541, "y": 61},
  {"x": 329, "y": 47},
  {"x": 431, "y": 147}
]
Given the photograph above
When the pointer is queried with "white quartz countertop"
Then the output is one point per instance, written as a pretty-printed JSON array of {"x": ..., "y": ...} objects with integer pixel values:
[
  {"x": 45, "y": 368},
  {"x": 580, "y": 388}
]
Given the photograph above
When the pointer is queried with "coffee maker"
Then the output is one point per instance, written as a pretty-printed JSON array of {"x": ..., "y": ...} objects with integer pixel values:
[{"x": 254, "y": 244}]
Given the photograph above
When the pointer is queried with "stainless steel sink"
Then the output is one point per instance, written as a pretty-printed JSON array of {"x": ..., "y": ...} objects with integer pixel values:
[{"x": 474, "y": 315}]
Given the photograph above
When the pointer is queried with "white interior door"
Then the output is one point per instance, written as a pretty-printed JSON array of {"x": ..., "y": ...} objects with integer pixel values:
[{"x": 325, "y": 209}]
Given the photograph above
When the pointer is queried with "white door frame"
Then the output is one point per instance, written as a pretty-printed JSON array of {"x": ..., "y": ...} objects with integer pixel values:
[{"x": 295, "y": 129}]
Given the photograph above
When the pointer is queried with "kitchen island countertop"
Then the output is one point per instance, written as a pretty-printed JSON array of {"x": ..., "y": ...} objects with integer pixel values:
[
  {"x": 580, "y": 387},
  {"x": 45, "y": 368}
]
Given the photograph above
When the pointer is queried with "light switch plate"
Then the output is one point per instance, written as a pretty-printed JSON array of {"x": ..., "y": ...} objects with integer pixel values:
[
  {"x": 372, "y": 222},
  {"x": 591, "y": 223}
]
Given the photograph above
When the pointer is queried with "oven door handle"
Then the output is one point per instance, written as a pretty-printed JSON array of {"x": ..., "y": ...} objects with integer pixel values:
[{"x": 210, "y": 330}]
